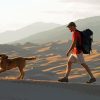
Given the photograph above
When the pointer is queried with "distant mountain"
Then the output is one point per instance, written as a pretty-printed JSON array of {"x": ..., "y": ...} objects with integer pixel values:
[
  {"x": 62, "y": 33},
  {"x": 48, "y": 36},
  {"x": 24, "y": 32}
]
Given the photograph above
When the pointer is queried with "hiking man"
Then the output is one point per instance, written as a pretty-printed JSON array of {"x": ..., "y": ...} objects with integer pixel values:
[{"x": 76, "y": 55}]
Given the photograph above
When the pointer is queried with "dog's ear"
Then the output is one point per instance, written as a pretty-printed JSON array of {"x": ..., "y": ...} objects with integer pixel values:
[
  {"x": 5, "y": 56},
  {"x": 0, "y": 55}
]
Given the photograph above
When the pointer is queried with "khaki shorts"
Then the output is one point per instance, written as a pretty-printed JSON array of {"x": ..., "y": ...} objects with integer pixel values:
[{"x": 76, "y": 58}]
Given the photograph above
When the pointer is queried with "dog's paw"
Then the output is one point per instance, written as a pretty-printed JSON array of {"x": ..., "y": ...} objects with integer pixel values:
[
  {"x": 34, "y": 58},
  {"x": 18, "y": 78}
]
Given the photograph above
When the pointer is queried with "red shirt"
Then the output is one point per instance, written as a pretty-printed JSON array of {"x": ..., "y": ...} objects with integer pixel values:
[{"x": 76, "y": 36}]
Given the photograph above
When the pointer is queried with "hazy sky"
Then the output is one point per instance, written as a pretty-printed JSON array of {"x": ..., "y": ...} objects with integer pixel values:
[{"x": 15, "y": 14}]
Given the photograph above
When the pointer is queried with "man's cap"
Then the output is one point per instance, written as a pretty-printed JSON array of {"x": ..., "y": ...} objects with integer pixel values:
[{"x": 71, "y": 24}]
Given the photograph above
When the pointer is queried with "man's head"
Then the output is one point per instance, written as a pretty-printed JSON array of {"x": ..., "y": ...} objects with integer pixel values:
[{"x": 72, "y": 26}]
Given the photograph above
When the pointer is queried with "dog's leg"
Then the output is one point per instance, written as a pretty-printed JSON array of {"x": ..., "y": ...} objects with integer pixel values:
[
  {"x": 2, "y": 70},
  {"x": 21, "y": 73}
]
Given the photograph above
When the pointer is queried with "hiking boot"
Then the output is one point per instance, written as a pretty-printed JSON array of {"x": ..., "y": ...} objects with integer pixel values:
[
  {"x": 64, "y": 79},
  {"x": 91, "y": 80}
]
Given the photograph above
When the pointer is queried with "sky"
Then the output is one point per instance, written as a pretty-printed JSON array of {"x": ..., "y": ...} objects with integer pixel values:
[{"x": 15, "y": 14}]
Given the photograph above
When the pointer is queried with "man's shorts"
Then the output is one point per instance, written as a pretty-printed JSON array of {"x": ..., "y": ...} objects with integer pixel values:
[{"x": 76, "y": 58}]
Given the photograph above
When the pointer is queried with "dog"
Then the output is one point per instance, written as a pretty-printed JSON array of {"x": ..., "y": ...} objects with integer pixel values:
[{"x": 20, "y": 62}]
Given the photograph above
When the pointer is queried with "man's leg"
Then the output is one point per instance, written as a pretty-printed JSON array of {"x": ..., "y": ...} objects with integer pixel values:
[
  {"x": 68, "y": 70},
  {"x": 87, "y": 69},
  {"x": 89, "y": 72},
  {"x": 65, "y": 79},
  {"x": 82, "y": 62},
  {"x": 69, "y": 64}
]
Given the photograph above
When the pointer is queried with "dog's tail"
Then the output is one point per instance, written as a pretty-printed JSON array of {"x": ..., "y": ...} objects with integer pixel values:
[{"x": 30, "y": 58}]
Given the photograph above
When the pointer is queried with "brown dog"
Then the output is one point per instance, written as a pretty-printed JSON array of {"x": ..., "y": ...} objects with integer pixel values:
[{"x": 7, "y": 64}]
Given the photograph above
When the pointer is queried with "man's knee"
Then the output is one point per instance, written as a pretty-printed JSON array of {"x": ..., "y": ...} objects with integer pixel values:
[
  {"x": 83, "y": 64},
  {"x": 69, "y": 63}
]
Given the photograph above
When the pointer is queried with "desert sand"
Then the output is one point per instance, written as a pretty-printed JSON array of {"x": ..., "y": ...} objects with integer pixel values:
[
  {"x": 40, "y": 81},
  {"x": 46, "y": 90}
]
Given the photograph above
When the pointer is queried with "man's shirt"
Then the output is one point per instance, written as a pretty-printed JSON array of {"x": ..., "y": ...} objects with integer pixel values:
[{"x": 76, "y": 36}]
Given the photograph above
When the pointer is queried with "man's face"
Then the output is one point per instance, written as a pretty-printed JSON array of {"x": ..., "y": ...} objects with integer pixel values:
[{"x": 72, "y": 28}]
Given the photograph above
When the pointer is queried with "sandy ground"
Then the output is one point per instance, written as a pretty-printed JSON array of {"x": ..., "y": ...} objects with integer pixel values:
[
  {"x": 50, "y": 66},
  {"x": 46, "y": 90}
]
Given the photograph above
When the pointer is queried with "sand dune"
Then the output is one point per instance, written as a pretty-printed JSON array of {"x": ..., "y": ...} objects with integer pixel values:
[
  {"x": 46, "y": 90},
  {"x": 49, "y": 66}
]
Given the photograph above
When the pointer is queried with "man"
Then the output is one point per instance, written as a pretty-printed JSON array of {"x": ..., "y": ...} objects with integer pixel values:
[{"x": 76, "y": 55}]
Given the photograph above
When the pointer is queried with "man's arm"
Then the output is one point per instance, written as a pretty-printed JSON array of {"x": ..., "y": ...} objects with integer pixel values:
[{"x": 71, "y": 48}]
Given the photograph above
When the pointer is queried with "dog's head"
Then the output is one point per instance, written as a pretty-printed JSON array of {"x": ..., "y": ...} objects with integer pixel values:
[{"x": 3, "y": 56}]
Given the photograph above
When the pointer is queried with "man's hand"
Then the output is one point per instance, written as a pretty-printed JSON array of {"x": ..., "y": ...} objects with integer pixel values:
[
  {"x": 71, "y": 48},
  {"x": 67, "y": 54}
]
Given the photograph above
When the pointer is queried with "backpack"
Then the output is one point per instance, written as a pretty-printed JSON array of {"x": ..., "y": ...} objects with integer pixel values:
[{"x": 87, "y": 39}]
